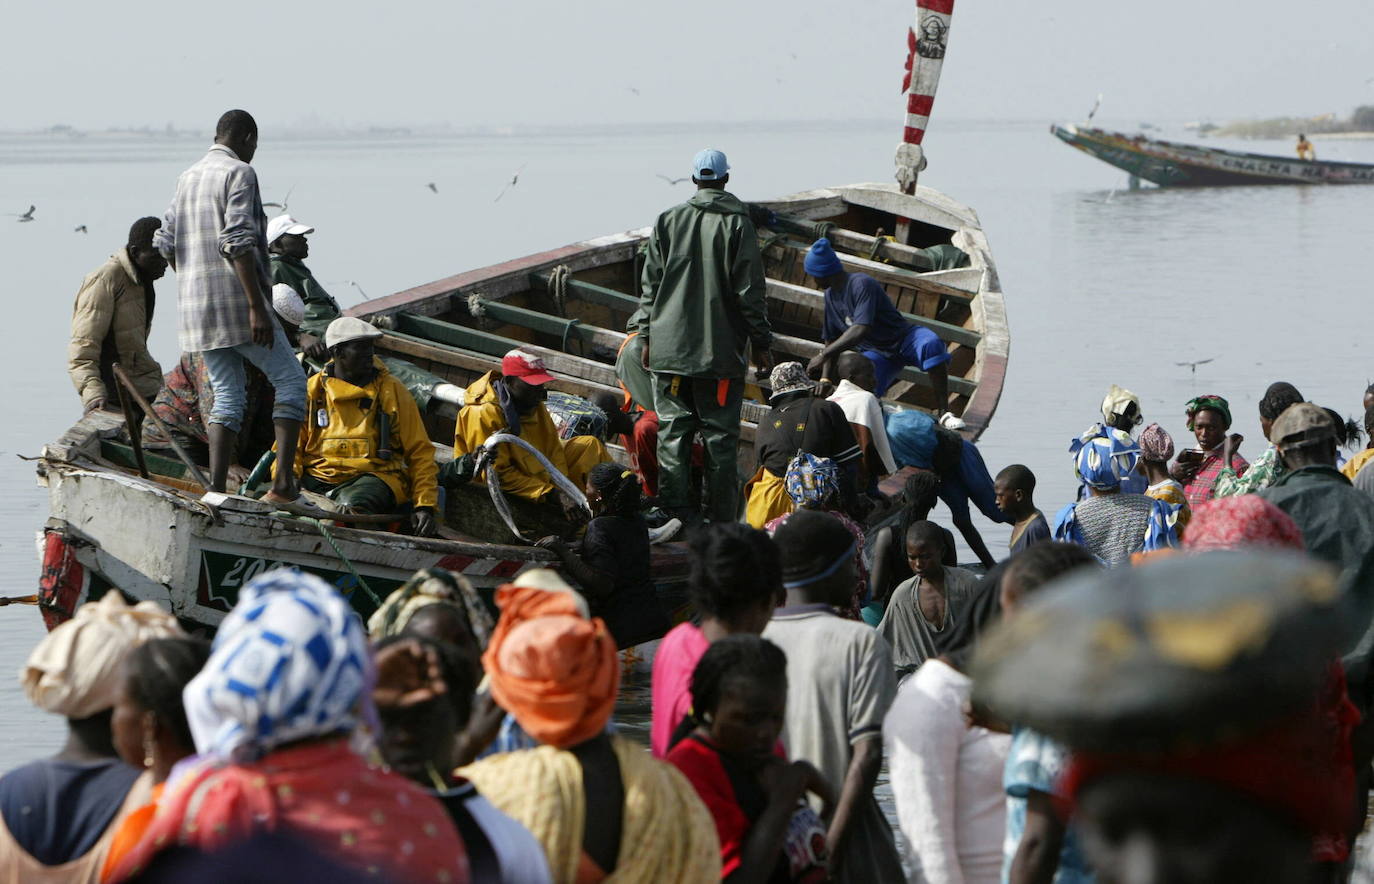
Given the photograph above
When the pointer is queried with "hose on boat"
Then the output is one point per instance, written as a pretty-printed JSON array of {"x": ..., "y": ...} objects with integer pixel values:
[{"x": 498, "y": 497}]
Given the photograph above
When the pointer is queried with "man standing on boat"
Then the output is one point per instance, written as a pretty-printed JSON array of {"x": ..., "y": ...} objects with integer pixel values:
[
  {"x": 860, "y": 316},
  {"x": 111, "y": 321},
  {"x": 702, "y": 303},
  {"x": 214, "y": 237}
]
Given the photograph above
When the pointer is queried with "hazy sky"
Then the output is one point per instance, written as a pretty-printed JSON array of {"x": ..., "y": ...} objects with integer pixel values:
[{"x": 348, "y": 62}]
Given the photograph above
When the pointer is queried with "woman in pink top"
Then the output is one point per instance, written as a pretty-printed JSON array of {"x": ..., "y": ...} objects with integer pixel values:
[{"x": 735, "y": 583}]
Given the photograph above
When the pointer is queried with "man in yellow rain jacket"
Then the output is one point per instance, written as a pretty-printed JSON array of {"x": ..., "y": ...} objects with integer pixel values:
[
  {"x": 363, "y": 443},
  {"x": 512, "y": 401}
]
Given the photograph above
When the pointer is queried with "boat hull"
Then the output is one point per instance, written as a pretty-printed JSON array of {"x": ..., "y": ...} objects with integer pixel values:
[{"x": 1170, "y": 164}]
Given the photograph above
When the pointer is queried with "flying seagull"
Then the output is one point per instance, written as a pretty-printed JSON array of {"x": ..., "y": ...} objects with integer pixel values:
[
  {"x": 1096, "y": 105},
  {"x": 1193, "y": 365},
  {"x": 514, "y": 180},
  {"x": 81, "y": 228},
  {"x": 633, "y": 89},
  {"x": 282, "y": 205},
  {"x": 673, "y": 181},
  {"x": 432, "y": 187},
  {"x": 27, "y": 216},
  {"x": 354, "y": 284}
]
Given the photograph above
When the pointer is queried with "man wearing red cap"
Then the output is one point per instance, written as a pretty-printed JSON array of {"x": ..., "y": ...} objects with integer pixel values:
[{"x": 512, "y": 401}]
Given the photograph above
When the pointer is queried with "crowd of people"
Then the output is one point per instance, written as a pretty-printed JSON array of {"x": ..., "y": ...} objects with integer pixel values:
[{"x": 1167, "y": 680}]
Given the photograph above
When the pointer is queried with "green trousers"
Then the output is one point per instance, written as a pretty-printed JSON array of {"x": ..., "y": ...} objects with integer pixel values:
[
  {"x": 361, "y": 494},
  {"x": 711, "y": 407}
]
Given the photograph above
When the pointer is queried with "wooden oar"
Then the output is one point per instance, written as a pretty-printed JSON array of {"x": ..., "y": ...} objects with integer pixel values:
[
  {"x": 134, "y": 426},
  {"x": 19, "y": 600},
  {"x": 148, "y": 410}
]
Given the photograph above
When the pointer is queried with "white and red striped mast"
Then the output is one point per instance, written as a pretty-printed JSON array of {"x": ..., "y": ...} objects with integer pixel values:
[{"x": 926, "y": 44}]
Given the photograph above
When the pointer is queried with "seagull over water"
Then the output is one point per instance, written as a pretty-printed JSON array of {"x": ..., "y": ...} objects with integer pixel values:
[
  {"x": 282, "y": 205},
  {"x": 673, "y": 181},
  {"x": 27, "y": 216},
  {"x": 514, "y": 180},
  {"x": 432, "y": 187},
  {"x": 81, "y": 228},
  {"x": 1193, "y": 365},
  {"x": 1096, "y": 104}
]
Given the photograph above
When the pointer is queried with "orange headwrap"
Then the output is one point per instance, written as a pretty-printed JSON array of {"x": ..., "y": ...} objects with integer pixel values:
[{"x": 553, "y": 669}]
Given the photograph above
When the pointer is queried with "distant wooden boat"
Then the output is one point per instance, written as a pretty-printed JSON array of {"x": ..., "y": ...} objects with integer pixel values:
[{"x": 1170, "y": 164}]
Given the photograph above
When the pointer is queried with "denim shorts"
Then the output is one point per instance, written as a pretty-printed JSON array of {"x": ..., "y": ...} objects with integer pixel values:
[{"x": 229, "y": 381}]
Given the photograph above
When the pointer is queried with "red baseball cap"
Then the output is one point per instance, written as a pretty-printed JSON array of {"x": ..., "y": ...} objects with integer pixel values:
[{"x": 525, "y": 366}]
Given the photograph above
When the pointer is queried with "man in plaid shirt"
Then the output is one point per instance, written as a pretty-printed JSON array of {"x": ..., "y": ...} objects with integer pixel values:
[{"x": 214, "y": 237}]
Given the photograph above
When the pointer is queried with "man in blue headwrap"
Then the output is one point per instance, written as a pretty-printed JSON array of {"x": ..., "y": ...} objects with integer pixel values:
[
  {"x": 1110, "y": 523},
  {"x": 860, "y": 316}
]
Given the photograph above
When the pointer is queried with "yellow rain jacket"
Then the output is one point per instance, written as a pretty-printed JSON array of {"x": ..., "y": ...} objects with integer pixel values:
[
  {"x": 520, "y": 473},
  {"x": 346, "y": 445}
]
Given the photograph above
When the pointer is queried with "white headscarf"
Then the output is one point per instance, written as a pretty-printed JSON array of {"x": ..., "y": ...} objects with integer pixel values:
[
  {"x": 291, "y": 661},
  {"x": 76, "y": 669}
]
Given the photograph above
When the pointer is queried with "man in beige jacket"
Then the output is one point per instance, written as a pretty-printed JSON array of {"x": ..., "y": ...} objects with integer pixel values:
[{"x": 111, "y": 320}]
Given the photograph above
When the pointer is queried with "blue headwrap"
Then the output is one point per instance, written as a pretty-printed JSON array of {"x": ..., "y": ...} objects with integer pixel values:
[
  {"x": 291, "y": 661},
  {"x": 1104, "y": 457},
  {"x": 811, "y": 480},
  {"x": 821, "y": 260}
]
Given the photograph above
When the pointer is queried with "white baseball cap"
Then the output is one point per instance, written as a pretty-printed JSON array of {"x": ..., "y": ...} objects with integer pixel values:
[
  {"x": 288, "y": 304},
  {"x": 349, "y": 328},
  {"x": 284, "y": 223}
]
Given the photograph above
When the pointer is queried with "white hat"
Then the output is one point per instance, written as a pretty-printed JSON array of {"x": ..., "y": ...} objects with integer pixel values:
[
  {"x": 284, "y": 223},
  {"x": 348, "y": 328},
  {"x": 288, "y": 304}
]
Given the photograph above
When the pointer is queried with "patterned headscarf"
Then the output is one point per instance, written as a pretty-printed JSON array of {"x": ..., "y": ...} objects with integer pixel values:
[
  {"x": 1156, "y": 444},
  {"x": 812, "y": 481},
  {"x": 75, "y": 670},
  {"x": 552, "y": 668},
  {"x": 1115, "y": 403},
  {"x": 431, "y": 586},
  {"x": 788, "y": 377},
  {"x": 1104, "y": 457},
  {"x": 1205, "y": 401},
  {"x": 1240, "y": 521},
  {"x": 290, "y": 661}
]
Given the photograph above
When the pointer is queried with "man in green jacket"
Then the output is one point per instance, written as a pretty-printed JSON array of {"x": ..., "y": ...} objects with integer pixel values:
[
  {"x": 288, "y": 249},
  {"x": 701, "y": 303}
]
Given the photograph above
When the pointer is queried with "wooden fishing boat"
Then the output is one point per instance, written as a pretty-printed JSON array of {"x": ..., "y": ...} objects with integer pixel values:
[
  {"x": 1170, "y": 164},
  {"x": 124, "y": 518},
  {"x": 162, "y": 538}
]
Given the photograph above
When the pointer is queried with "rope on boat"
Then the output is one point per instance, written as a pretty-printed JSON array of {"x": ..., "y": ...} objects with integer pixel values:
[
  {"x": 498, "y": 497},
  {"x": 347, "y": 563},
  {"x": 558, "y": 289},
  {"x": 823, "y": 229}
]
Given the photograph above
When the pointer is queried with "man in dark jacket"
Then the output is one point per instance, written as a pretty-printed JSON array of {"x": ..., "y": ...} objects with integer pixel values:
[
  {"x": 702, "y": 302},
  {"x": 1337, "y": 523}
]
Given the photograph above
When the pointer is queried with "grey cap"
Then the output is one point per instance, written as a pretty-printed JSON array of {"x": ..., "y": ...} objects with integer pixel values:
[
  {"x": 1302, "y": 424},
  {"x": 348, "y": 328}
]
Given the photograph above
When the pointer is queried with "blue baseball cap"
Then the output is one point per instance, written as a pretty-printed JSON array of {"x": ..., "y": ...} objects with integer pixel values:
[{"x": 709, "y": 165}]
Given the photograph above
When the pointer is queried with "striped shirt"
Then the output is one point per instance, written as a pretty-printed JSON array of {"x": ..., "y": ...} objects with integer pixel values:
[{"x": 215, "y": 216}]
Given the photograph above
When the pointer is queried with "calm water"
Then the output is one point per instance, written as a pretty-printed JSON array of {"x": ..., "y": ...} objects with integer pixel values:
[{"x": 1103, "y": 285}]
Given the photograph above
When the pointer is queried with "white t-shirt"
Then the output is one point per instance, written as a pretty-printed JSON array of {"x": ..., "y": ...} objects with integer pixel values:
[
  {"x": 518, "y": 855},
  {"x": 946, "y": 779},
  {"x": 862, "y": 407},
  {"x": 840, "y": 683}
]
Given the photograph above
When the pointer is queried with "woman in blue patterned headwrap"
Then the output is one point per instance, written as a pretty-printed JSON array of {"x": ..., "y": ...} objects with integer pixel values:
[
  {"x": 813, "y": 483},
  {"x": 1109, "y": 523},
  {"x": 275, "y": 715}
]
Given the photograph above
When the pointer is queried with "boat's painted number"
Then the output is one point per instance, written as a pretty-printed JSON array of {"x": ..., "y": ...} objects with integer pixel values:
[{"x": 245, "y": 569}]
